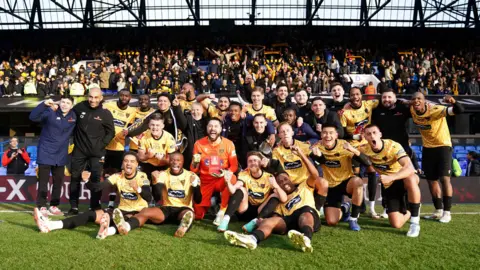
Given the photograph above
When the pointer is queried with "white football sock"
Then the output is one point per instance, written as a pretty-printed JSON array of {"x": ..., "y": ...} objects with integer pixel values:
[
  {"x": 55, "y": 225},
  {"x": 415, "y": 220},
  {"x": 371, "y": 205},
  {"x": 226, "y": 218}
]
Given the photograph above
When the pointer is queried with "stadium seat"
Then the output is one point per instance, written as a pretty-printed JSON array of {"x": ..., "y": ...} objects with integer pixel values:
[
  {"x": 470, "y": 148},
  {"x": 461, "y": 156},
  {"x": 419, "y": 156},
  {"x": 461, "y": 151},
  {"x": 456, "y": 148},
  {"x": 478, "y": 148},
  {"x": 32, "y": 149},
  {"x": 415, "y": 148},
  {"x": 463, "y": 164},
  {"x": 464, "y": 172},
  {"x": 420, "y": 164}
]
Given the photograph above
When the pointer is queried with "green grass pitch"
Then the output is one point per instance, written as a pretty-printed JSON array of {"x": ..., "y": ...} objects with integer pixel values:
[{"x": 377, "y": 246}]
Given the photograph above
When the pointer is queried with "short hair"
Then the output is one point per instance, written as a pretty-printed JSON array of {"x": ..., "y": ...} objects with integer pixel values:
[
  {"x": 290, "y": 109},
  {"x": 317, "y": 99},
  {"x": 329, "y": 126},
  {"x": 254, "y": 153},
  {"x": 167, "y": 95},
  {"x": 389, "y": 90},
  {"x": 259, "y": 115},
  {"x": 371, "y": 126},
  {"x": 124, "y": 90},
  {"x": 131, "y": 153},
  {"x": 215, "y": 119},
  {"x": 282, "y": 85},
  {"x": 67, "y": 97},
  {"x": 156, "y": 117},
  {"x": 235, "y": 103},
  {"x": 334, "y": 84},
  {"x": 473, "y": 154},
  {"x": 227, "y": 97},
  {"x": 258, "y": 89},
  {"x": 283, "y": 124},
  {"x": 300, "y": 90}
]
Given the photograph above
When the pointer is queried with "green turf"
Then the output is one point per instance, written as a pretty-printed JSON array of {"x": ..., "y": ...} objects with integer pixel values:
[{"x": 376, "y": 246}]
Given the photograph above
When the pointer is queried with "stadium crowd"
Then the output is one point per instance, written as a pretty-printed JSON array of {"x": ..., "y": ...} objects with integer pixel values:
[{"x": 231, "y": 68}]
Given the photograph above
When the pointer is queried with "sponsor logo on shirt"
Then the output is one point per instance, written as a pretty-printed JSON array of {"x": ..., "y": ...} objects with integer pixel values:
[
  {"x": 176, "y": 193},
  {"x": 256, "y": 195},
  {"x": 293, "y": 165},
  {"x": 293, "y": 202},
  {"x": 382, "y": 167},
  {"x": 332, "y": 163},
  {"x": 129, "y": 196}
]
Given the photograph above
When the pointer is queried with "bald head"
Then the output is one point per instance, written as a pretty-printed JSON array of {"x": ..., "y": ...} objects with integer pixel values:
[{"x": 95, "y": 97}]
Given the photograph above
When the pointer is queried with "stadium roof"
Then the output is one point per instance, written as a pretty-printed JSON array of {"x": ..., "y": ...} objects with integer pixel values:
[{"x": 55, "y": 14}]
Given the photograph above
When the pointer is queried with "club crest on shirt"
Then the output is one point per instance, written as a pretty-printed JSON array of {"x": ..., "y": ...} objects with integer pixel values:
[{"x": 293, "y": 201}]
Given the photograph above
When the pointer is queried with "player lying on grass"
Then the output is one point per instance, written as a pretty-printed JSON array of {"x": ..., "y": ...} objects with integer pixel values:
[
  {"x": 251, "y": 194},
  {"x": 180, "y": 189},
  {"x": 133, "y": 187},
  {"x": 297, "y": 215},
  {"x": 398, "y": 177},
  {"x": 336, "y": 157}
]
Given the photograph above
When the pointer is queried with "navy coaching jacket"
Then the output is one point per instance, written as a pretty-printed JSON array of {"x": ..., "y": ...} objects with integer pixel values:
[{"x": 55, "y": 135}]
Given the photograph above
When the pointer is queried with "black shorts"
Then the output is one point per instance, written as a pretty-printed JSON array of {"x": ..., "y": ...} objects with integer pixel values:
[
  {"x": 113, "y": 160},
  {"x": 355, "y": 163},
  {"x": 292, "y": 220},
  {"x": 171, "y": 213},
  {"x": 251, "y": 213},
  {"x": 335, "y": 194},
  {"x": 395, "y": 196},
  {"x": 148, "y": 168},
  {"x": 437, "y": 162},
  {"x": 126, "y": 214}
]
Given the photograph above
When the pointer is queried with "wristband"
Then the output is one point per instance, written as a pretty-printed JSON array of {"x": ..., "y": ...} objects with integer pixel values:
[
  {"x": 139, "y": 190},
  {"x": 356, "y": 137}
]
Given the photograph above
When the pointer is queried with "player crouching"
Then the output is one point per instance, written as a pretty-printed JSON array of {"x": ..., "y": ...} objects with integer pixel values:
[
  {"x": 180, "y": 187},
  {"x": 299, "y": 218},
  {"x": 254, "y": 196},
  {"x": 397, "y": 175},
  {"x": 133, "y": 186}
]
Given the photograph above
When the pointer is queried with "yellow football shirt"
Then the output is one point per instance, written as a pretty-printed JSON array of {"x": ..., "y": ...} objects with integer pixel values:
[
  {"x": 121, "y": 120},
  {"x": 178, "y": 191},
  {"x": 355, "y": 120},
  {"x": 163, "y": 145},
  {"x": 130, "y": 199},
  {"x": 338, "y": 163},
  {"x": 386, "y": 160},
  {"x": 302, "y": 196},
  {"x": 433, "y": 126},
  {"x": 291, "y": 163},
  {"x": 258, "y": 188},
  {"x": 139, "y": 118},
  {"x": 268, "y": 111}
]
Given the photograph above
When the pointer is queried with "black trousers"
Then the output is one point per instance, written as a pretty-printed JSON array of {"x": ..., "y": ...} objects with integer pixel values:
[
  {"x": 58, "y": 173},
  {"x": 81, "y": 162}
]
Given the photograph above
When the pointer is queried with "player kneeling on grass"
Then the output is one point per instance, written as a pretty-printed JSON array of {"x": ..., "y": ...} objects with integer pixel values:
[
  {"x": 397, "y": 175},
  {"x": 180, "y": 187},
  {"x": 298, "y": 214},
  {"x": 133, "y": 187},
  {"x": 336, "y": 157},
  {"x": 251, "y": 195}
]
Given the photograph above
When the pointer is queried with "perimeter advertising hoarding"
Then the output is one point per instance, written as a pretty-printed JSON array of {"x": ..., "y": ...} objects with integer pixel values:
[{"x": 20, "y": 188}]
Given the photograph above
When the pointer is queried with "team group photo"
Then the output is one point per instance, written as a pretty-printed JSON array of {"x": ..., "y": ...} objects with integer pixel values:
[{"x": 194, "y": 147}]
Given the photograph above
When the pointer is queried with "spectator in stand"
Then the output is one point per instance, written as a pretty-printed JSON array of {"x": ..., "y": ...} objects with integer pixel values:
[
  {"x": 105, "y": 79},
  {"x": 472, "y": 87},
  {"x": 473, "y": 167},
  {"x": 15, "y": 159},
  {"x": 382, "y": 86}
]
